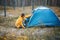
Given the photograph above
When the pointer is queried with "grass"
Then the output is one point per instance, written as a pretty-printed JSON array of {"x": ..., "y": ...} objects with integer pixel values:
[{"x": 9, "y": 32}]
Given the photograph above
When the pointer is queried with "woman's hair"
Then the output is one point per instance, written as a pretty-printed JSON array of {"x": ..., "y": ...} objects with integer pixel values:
[{"x": 22, "y": 15}]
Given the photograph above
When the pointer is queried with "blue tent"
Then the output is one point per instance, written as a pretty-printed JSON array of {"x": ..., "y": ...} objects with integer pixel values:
[{"x": 43, "y": 16}]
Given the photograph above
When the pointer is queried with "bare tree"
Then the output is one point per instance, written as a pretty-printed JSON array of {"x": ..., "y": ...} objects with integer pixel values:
[
  {"x": 32, "y": 3},
  {"x": 5, "y": 7},
  {"x": 14, "y": 4}
]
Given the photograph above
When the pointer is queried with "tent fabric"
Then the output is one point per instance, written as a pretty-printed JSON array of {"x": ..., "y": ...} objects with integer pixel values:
[{"x": 43, "y": 16}]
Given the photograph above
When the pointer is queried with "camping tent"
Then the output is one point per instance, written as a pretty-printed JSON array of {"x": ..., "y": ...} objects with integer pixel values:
[{"x": 43, "y": 16}]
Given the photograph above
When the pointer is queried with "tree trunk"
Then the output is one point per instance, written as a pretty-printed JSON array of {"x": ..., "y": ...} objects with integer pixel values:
[
  {"x": 5, "y": 8},
  {"x": 32, "y": 3}
]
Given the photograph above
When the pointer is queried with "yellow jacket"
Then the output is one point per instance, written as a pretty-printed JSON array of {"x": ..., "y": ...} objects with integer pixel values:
[{"x": 19, "y": 21}]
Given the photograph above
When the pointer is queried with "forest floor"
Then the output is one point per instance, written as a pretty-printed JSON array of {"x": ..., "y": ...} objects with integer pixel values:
[{"x": 9, "y": 32}]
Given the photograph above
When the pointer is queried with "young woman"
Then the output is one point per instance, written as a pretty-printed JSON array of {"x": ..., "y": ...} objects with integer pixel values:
[{"x": 19, "y": 21}]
